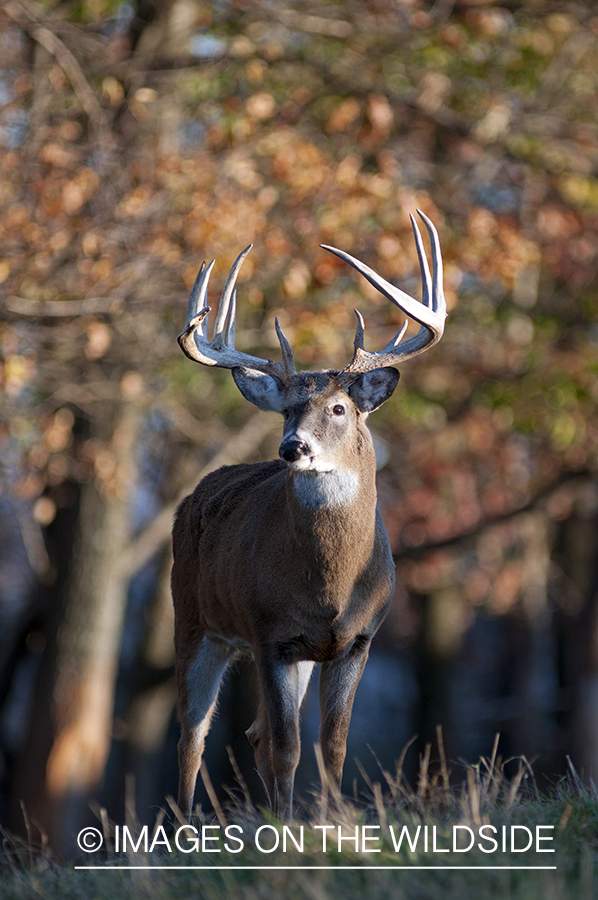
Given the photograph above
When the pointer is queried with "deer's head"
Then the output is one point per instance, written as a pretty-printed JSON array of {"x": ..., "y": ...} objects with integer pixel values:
[{"x": 324, "y": 411}]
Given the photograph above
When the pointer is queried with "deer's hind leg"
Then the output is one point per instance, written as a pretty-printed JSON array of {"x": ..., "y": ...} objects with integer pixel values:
[{"x": 198, "y": 678}]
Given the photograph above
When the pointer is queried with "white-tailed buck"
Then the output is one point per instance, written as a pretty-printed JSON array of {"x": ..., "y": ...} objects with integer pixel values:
[{"x": 289, "y": 559}]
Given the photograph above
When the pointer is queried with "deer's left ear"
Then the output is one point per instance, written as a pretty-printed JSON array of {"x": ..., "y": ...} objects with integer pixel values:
[{"x": 373, "y": 388}]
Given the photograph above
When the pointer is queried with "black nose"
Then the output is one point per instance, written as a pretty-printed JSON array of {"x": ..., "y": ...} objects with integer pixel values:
[{"x": 293, "y": 450}]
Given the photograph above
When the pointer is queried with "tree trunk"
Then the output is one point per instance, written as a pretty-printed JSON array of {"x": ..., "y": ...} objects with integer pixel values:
[{"x": 70, "y": 729}]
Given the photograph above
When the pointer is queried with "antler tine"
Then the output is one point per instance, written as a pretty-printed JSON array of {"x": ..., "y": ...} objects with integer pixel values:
[
  {"x": 220, "y": 351},
  {"x": 197, "y": 298},
  {"x": 359, "y": 332},
  {"x": 423, "y": 262},
  {"x": 287, "y": 361},
  {"x": 430, "y": 313},
  {"x": 438, "y": 300},
  {"x": 231, "y": 321},
  {"x": 225, "y": 317}
]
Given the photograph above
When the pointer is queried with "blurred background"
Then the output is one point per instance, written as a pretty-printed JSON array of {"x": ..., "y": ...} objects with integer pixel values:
[{"x": 137, "y": 139}]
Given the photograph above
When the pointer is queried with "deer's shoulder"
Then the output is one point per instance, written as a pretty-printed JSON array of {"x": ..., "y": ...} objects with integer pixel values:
[{"x": 223, "y": 489}]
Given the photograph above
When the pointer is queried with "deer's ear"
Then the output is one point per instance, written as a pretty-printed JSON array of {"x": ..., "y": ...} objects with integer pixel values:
[
  {"x": 373, "y": 388},
  {"x": 262, "y": 390}
]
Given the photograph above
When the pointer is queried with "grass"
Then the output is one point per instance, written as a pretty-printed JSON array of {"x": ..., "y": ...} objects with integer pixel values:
[{"x": 486, "y": 799}]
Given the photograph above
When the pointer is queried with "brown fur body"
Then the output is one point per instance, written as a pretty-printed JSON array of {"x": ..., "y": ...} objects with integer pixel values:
[
  {"x": 257, "y": 567},
  {"x": 291, "y": 559}
]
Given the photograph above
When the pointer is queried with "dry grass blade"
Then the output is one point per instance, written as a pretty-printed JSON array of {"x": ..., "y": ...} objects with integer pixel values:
[
  {"x": 443, "y": 766},
  {"x": 398, "y": 785},
  {"x": 324, "y": 784},
  {"x": 240, "y": 780},
  {"x": 176, "y": 810},
  {"x": 423, "y": 781},
  {"x": 107, "y": 831},
  {"x": 515, "y": 785},
  {"x": 380, "y": 809},
  {"x": 212, "y": 795},
  {"x": 473, "y": 791}
]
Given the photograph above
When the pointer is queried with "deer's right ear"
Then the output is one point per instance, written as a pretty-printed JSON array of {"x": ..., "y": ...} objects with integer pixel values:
[
  {"x": 373, "y": 388},
  {"x": 261, "y": 389}
]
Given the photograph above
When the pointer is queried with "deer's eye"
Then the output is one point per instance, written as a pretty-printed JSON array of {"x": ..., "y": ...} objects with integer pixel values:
[
  {"x": 338, "y": 410},
  {"x": 285, "y": 413}
]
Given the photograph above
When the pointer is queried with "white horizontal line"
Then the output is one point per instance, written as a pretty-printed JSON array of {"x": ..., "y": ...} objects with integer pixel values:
[{"x": 361, "y": 868}]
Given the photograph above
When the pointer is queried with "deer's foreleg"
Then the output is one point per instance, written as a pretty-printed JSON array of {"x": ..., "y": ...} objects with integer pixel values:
[
  {"x": 275, "y": 733},
  {"x": 338, "y": 683},
  {"x": 198, "y": 678}
]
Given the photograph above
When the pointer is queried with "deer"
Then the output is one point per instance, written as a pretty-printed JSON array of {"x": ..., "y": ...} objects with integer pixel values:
[{"x": 289, "y": 559}]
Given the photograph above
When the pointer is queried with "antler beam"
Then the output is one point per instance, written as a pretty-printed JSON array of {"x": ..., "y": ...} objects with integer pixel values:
[
  {"x": 220, "y": 351},
  {"x": 430, "y": 313}
]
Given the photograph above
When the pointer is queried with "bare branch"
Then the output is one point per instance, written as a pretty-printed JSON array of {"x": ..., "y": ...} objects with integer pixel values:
[{"x": 63, "y": 308}]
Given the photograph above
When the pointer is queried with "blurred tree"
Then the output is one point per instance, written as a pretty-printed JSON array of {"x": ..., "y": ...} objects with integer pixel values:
[{"x": 71, "y": 717}]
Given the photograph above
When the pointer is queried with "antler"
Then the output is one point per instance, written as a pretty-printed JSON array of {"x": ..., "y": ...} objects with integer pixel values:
[
  {"x": 220, "y": 351},
  {"x": 430, "y": 313}
]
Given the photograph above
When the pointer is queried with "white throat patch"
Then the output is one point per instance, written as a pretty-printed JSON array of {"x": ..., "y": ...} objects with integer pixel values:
[{"x": 326, "y": 489}]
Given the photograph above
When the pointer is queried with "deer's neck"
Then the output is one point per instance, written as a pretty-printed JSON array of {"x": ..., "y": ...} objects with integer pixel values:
[
  {"x": 329, "y": 509},
  {"x": 332, "y": 518},
  {"x": 326, "y": 490}
]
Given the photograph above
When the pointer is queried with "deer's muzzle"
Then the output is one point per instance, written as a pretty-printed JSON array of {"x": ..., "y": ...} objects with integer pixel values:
[{"x": 293, "y": 449}]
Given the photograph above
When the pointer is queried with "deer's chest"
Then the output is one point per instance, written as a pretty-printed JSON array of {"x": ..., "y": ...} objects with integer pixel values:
[
  {"x": 322, "y": 628},
  {"x": 326, "y": 490}
]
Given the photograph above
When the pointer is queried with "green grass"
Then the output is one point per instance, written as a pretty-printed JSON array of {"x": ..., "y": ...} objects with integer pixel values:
[{"x": 486, "y": 797}]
